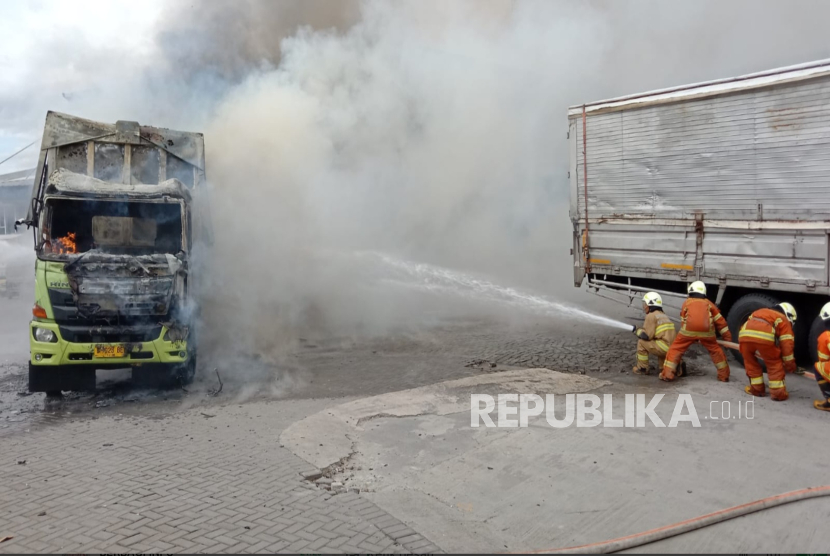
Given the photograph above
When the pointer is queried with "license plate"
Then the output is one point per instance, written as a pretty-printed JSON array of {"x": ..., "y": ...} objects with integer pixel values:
[{"x": 102, "y": 350}]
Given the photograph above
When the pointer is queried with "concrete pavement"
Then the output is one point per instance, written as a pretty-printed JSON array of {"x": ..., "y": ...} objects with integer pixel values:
[{"x": 480, "y": 489}]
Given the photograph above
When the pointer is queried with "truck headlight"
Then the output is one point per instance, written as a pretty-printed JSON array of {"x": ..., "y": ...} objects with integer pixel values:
[{"x": 45, "y": 335}]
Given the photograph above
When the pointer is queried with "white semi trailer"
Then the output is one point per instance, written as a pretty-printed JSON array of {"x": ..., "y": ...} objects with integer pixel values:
[{"x": 727, "y": 182}]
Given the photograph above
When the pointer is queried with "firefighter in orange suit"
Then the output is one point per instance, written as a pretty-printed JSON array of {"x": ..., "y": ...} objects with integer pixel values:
[
  {"x": 769, "y": 332},
  {"x": 700, "y": 321},
  {"x": 823, "y": 363},
  {"x": 655, "y": 336}
]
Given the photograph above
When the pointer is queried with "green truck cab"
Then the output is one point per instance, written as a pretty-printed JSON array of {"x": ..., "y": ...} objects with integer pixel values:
[{"x": 116, "y": 211}]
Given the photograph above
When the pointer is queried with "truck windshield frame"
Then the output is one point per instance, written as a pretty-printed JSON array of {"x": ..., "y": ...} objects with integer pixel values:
[{"x": 68, "y": 225}]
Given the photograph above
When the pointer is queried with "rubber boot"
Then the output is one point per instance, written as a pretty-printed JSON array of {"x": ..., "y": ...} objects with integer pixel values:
[
  {"x": 822, "y": 405},
  {"x": 681, "y": 369},
  {"x": 779, "y": 394},
  {"x": 758, "y": 391},
  {"x": 639, "y": 371}
]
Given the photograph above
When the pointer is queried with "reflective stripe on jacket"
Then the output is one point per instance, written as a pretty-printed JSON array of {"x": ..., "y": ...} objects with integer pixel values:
[
  {"x": 768, "y": 326},
  {"x": 659, "y": 328},
  {"x": 823, "y": 364}
]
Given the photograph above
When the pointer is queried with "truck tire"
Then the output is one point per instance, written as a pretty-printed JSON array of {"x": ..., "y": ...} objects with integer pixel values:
[
  {"x": 805, "y": 343},
  {"x": 741, "y": 310},
  {"x": 186, "y": 372},
  {"x": 164, "y": 376},
  {"x": 154, "y": 377},
  {"x": 55, "y": 379},
  {"x": 816, "y": 328}
]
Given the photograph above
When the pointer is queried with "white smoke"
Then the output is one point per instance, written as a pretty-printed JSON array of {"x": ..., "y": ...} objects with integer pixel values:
[{"x": 431, "y": 130}]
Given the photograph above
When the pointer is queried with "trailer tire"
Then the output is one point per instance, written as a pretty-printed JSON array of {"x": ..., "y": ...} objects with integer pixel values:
[
  {"x": 816, "y": 328},
  {"x": 741, "y": 310}
]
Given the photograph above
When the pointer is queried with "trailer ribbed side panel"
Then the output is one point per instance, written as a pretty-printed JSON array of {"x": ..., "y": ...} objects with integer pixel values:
[{"x": 754, "y": 154}]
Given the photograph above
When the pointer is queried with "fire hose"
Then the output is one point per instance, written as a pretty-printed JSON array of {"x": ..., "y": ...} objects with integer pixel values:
[{"x": 654, "y": 535}]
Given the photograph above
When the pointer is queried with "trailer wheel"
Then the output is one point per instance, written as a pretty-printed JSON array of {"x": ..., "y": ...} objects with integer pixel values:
[
  {"x": 816, "y": 328},
  {"x": 741, "y": 310},
  {"x": 805, "y": 342}
]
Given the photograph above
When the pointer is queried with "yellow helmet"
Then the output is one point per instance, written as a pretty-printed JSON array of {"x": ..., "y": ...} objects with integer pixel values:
[
  {"x": 788, "y": 310},
  {"x": 697, "y": 287},
  {"x": 825, "y": 312},
  {"x": 653, "y": 299}
]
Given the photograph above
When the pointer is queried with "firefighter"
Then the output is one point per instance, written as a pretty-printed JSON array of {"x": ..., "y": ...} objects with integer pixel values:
[
  {"x": 655, "y": 336},
  {"x": 770, "y": 333},
  {"x": 700, "y": 321},
  {"x": 823, "y": 363}
]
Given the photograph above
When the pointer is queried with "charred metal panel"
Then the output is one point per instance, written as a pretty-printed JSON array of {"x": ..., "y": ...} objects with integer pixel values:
[
  {"x": 125, "y": 152},
  {"x": 63, "y": 129},
  {"x": 127, "y": 133},
  {"x": 180, "y": 170},
  {"x": 144, "y": 166},
  {"x": 187, "y": 146},
  {"x": 109, "y": 161},
  {"x": 73, "y": 157},
  {"x": 105, "y": 285}
]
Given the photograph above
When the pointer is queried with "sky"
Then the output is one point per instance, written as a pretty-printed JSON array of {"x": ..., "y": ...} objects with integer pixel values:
[{"x": 38, "y": 41}]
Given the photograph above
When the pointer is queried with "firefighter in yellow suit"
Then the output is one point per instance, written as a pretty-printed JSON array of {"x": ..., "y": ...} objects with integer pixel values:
[{"x": 656, "y": 335}]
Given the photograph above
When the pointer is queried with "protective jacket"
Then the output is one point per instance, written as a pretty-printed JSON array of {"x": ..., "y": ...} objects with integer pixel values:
[
  {"x": 768, "y": 326},
  {"x": 659, "y": 329},
  {"x": 767, "y": 333},
  {"x": 700, "y": 318}
]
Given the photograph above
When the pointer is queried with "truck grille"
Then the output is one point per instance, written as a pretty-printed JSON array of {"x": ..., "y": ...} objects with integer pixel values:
[{"x": 109, "y": 334}]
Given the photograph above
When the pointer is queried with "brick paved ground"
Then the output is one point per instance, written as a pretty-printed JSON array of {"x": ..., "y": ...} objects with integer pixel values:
[{"x": 209, "y": 479}]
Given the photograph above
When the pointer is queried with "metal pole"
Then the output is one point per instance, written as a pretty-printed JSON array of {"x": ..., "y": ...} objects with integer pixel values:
[
  {"x": 623, "y": 287},
  {"x": 586, "y": 245}
]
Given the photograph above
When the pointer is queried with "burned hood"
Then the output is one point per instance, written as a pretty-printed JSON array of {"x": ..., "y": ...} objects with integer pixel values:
[{"x": 106, "y": 285}]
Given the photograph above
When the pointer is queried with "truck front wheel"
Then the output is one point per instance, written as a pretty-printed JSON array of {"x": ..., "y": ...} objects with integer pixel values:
[
  {"x": 54, "y": 379},
  {"x": 741, "y": 310},
  {"x": 164, "y": 376}
]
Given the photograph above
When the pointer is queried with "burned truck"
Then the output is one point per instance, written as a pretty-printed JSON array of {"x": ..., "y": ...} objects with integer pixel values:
[{"x": 116, "y": 212}]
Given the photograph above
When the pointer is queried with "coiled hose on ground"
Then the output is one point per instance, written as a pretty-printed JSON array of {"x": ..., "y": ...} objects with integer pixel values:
[{"x": 639, "y": 539}]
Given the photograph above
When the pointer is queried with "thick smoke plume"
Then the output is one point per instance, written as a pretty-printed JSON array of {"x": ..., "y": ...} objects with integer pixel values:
[{"x": 432, "y": 131}]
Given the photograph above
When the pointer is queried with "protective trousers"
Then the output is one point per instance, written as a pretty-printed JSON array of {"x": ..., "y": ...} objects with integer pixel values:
[
  {"x": 652, "y": 347},
  {"x": 771, "y": 355},
  {"x": 683, "y": 343}
]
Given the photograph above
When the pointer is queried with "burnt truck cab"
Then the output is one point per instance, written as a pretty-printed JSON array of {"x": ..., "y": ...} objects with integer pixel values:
[{"x": 115, "y": 219}]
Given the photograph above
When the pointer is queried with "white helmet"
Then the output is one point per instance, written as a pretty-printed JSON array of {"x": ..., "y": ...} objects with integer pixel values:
[
  {"x": 825, "y": 312},
  {"x": 788, "y": 310},
  {"x": 697, "y": 287},
  {"x": 653, "y": 299}
]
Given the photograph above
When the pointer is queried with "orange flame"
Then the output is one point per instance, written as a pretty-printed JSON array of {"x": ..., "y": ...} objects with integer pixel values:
[{"x": 65, "y": 245}]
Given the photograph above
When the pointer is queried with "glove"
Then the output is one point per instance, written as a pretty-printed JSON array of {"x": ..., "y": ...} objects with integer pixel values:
[
  {"x": 642, "y": 334},
  {"x": 789, "y": 366}
]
